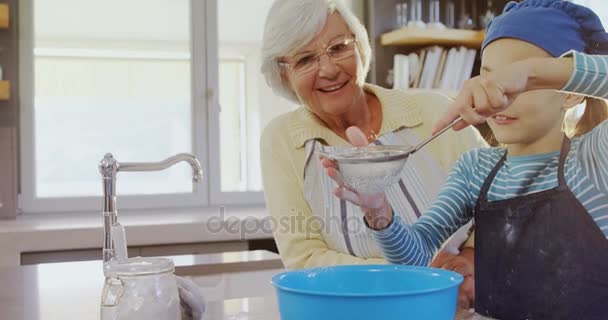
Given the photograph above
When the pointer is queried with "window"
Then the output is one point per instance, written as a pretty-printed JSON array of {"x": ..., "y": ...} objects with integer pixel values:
[
  {"x": 143, "y": 79},
  {"x": 94, "y": 80},
  {"x": 243, "y": 115}
]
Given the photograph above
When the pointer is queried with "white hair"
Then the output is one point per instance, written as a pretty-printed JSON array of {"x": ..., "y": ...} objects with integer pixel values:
[{"x": 291, "y": 24}]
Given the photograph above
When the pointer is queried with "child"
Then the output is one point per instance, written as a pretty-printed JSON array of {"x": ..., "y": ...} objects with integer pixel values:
[{"x": 540, "y": 203}]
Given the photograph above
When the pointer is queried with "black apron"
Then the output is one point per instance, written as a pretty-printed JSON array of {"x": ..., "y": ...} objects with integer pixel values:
[{"x": 539, "y": 256}]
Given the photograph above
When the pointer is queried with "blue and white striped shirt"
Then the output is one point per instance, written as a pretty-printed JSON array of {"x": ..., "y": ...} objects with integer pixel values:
[
  {"x": 590, "y": 76},
  {"x": 586, "y": 172}
]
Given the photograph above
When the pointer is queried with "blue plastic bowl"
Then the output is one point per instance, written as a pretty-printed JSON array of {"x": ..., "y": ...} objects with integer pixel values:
[{"x": 383, "y": 292}]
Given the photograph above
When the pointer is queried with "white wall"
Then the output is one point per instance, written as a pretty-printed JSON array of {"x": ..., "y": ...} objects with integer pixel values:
[
  {"x": 113, "y": 19},
  {"x": 358, "y": 8},
  {"x": 246, "y": 23},
  {"x": 599, "y": 6}
]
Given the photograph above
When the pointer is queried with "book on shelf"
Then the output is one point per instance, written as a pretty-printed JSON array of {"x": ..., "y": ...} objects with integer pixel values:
[
  {"x": 440, "y": 69},
  {"x": 414, "y": 62},
  {"x": 431, "y": 64},
  {"x": 419, "y": 67},
  {"x": 460, "y": 70},
  {"x": 401, "y": 72},
  {"x": 434, "y": 68},
  {"x": 446, "y": 76}
]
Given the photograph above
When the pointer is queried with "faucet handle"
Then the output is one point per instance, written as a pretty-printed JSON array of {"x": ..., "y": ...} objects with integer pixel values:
[{"x": 108, "y": 166}]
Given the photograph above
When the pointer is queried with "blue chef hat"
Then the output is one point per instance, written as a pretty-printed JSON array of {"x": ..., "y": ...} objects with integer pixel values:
[{"x": 554, "y": 25}]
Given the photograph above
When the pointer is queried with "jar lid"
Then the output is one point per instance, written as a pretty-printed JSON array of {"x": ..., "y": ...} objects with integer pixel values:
[{"x": 138, "y": 266}]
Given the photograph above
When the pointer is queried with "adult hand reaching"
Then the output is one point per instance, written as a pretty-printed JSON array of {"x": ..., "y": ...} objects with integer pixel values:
[{"x": 463, "y": 264}]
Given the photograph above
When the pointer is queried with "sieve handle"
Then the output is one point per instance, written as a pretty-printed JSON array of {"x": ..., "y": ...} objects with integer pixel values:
[{"x": 431, "y": 138}]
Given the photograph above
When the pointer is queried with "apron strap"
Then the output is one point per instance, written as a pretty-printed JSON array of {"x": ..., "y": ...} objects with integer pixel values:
[
  {"x": 560, "y": 171},
  {"x": 563, "y": 155},
  {"x": 310, "y": 146},
  {"x": 483, "y": 194}
]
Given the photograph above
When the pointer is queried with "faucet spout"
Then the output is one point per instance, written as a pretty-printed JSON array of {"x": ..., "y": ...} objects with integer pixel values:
[
  {"x": 109, "y": 167},
  {"x": 197, "y": 171}
]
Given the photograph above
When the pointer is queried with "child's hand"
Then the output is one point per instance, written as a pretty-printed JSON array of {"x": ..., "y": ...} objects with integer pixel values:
[
  {"x": 376, "y": 208},
  {"x": 486, "y": 95}
]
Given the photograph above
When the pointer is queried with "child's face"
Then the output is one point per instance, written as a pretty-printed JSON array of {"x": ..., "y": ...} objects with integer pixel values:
[{"x": 534, "y": 115}]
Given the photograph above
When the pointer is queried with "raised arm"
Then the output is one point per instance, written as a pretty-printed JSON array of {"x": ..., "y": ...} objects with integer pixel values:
[
  {"x": 494, "y": 90},
  {"x": 414, "y": 244},
  {"x": 417, "y": 243}
]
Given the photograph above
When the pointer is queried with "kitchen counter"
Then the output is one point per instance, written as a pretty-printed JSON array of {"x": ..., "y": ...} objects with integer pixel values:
[
  {"x": 236, "y": 285},
  {"x": 75, "y": 231}
]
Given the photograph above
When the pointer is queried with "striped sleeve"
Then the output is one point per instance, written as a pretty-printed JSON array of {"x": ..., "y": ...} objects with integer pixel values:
[
  {"x": 589, "y": 76},
  {"x": 594, "y": 163},
  {"x": 416, "y": 244}
]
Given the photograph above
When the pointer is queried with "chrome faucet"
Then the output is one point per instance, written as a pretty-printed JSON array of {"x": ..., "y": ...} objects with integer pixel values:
[{"x": 109, "y": 167}]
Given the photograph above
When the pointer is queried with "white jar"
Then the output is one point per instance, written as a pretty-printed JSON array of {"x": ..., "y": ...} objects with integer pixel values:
[{"x": 141, "y": 289}]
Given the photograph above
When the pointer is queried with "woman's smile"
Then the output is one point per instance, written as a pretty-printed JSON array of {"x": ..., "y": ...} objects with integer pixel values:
[{"x": 333, "y": 88}]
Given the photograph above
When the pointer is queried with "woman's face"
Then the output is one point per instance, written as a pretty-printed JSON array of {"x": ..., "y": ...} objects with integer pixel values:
[
  {"x": 534, "y": 114},
  {"x": 331, "y": 87}
]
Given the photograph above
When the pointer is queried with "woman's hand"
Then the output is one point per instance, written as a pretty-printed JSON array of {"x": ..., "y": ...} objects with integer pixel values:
[
  {"x": 486, "y": 95},
  {"x": 463, "y": 264},
  {"x": 377, "y": 210}
]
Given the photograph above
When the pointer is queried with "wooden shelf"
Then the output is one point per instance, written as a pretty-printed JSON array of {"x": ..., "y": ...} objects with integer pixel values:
[
  {"x": 4, "y": 13},
  {"x": 426, "y": 37},
  {"x": 5, "y": 90}
]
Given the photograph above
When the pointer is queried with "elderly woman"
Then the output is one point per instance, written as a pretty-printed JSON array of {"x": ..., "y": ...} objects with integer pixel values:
[{"x": 316, "y": 53}]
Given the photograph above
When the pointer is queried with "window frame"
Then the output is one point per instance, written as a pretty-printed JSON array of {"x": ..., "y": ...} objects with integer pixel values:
[
  {"x": 204, "y": 52},
  {"x": 218, "y": 197}
]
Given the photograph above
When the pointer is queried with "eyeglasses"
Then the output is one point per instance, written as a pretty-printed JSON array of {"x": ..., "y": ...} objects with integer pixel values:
[{"x": 309, "y": 62}]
